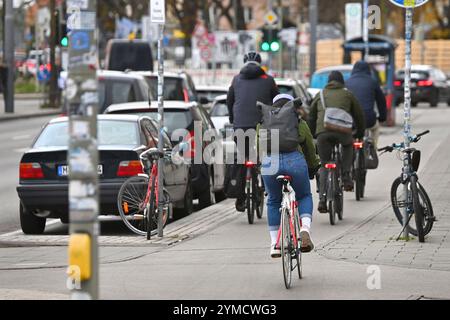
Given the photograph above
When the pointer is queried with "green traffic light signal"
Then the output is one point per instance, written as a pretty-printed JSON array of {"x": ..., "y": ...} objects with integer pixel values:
[
  {"x": 64, "y": 41},
  {"x": 265, "y": 46},
  {"x": 275, "y": 46}
]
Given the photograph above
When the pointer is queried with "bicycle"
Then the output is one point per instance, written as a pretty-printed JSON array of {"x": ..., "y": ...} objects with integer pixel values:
[
  {"x": 138, "y": 197},
  {"x": 359, "y": 169},
  {"x": 335, "y": 186},
  {"x": 254, "y": 192},
  {"x": 289, "y": 232},
  {"x": 416, "y": 201}
]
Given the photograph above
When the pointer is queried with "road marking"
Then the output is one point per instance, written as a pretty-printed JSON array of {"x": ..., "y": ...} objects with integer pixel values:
[
  {"x": 17, "y": 232},
  {"x": 31, "y": 264}
]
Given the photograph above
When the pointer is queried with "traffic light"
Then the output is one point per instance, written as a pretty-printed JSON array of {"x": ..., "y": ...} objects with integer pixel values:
[
  {"x": 61, "y": 31},
  {"x": 270, "y": 40}
]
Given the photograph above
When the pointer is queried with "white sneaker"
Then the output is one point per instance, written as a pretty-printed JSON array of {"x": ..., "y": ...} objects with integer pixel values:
[
  {"x": 275, "y": 252},
  {"x": 307, "y": 243}
]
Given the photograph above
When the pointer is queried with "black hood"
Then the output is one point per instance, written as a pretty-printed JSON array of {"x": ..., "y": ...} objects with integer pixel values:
[
  {"x": 361, "y": 67},
  {"x": 252, "y": 71}
]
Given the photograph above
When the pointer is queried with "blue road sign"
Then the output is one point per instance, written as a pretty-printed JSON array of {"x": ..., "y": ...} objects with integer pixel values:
[{"x": 409, "y": 3}]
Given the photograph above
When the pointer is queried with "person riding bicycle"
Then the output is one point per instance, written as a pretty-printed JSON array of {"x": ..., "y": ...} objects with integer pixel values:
[
  {"x": 368, "y": 93},
  {"x": 299, "y": 161},
  {"x": 252, "y": 84},
  {"x": 337, "y": 96}
]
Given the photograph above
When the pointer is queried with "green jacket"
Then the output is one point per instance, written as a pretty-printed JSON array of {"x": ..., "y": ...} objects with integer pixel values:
[
  {"x": 306, "y": 146},
  {"x": 336, "y": 96}
]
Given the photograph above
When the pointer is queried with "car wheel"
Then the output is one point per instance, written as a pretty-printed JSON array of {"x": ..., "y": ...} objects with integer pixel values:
[
  {"x": 434, "y": 100},
  {"x": 414, "y": 104},
  {"x": 188, "y": 206},
  {"x": 208, "y": 197},
  {"x": 29, "y": 223},
  {"x": 65, "y": 219}
]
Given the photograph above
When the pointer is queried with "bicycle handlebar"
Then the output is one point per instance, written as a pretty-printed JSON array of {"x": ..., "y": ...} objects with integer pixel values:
[{"x": 413, "y": 139}]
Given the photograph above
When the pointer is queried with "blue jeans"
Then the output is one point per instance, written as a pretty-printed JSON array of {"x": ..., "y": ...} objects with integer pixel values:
[{"x": 292, "y": 164}]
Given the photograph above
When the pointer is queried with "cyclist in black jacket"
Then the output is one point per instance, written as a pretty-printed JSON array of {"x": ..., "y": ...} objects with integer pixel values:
[{"x": 252, "y": 84}]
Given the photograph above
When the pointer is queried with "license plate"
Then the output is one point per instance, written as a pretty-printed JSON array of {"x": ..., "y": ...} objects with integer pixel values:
[{"x": 63, "y": 171}]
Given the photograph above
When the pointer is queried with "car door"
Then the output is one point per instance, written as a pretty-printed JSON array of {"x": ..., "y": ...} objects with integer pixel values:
[{"x": 219, "y": 168}]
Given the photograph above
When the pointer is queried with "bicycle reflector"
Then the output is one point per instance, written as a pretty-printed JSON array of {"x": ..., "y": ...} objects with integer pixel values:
[
  {"x": 125, "y": 207},
  {"x": 330, "y": 166},
  {"x": 358, "y": 145}
]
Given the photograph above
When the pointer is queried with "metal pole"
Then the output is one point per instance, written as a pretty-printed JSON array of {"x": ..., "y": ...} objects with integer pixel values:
[
  {"x": 9, "y": 56},
  {"x": 235, "y": 23},
  {"x": 213, "y": 22},
  {"x": 280, "y": 53},
  {"x": 160, "y": 127},
  {"x": 366, "y": 29},
  {"x": 82, "y": 95},
  {"x": 407, "y": 107},
  {"x": 313, "y": 17}
]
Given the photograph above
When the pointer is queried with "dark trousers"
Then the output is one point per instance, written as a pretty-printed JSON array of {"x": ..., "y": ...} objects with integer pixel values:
[
  {"x": 245, "y": 154},
  {"x": 325, "y": 144}
]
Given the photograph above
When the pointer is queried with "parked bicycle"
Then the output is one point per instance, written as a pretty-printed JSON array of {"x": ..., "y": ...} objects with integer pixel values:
[
  {"x": 254, "y": 192},
  {"x": 289, "y": 239},
  {"x": 416, "y": 201},
  {"x": 138, "y": 197}
]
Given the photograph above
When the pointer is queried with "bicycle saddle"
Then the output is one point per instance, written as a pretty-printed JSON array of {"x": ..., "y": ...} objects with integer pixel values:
[{"x": 284, "y": 179}]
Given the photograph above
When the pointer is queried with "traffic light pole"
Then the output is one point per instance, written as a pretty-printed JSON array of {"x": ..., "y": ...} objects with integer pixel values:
[
  {"x": 82, "y": 95},
  {"x": 313, "y": 17}
]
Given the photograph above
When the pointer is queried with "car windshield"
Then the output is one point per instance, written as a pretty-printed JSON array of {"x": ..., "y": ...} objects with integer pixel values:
[
  {"x": 110, "y": 132},
  {"x": 173, "y": 88},
  {"x": 220, "y": 109},
  {"x": 114, "y": 91},
  {"x": 210, "y": 95},
  {"x": 320, "y": 80},
  {"x": 287, "y": 90}
]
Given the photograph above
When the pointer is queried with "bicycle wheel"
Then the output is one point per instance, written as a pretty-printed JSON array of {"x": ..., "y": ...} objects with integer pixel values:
[
  {"x": 130, "y": 202},
  {"x": 332, "y": 197},
  {"x": 286, "y": 245},
  {"x": 418, "y": 211},
  {"x": 260, "y": 199},
  {"x": 298, "y": 252},
  {"x": 152, "y": 216},
  {"x": 358, "y": 185},
  {"x": 250, "y": 202},
  {"x": 339, "y": 203},
  {"x": 399, "y": 202}
]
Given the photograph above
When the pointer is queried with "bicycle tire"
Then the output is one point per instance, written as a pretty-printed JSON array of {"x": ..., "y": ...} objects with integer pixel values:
[
  {"x": 260, "y": 199},
  {"x": 152, "y": 218},
  {"x": 418, "y": 212},
  {"x": 133, "y": 189},
  {"x": 286, "y": 245},
  {"x": 250, "y": 207},
  {"x": 426, "y": 205},
  {"x": 358, "y": 185},
  {"x": 298, "y": 252}
]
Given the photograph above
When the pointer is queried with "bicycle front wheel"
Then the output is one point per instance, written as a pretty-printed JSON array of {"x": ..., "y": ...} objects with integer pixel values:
[
  {"x": 418, "y": 211},
  {"x": 298, "y": 252},
  {"x": 132, "y": 206},
  {"x": 286, "y": 245}
]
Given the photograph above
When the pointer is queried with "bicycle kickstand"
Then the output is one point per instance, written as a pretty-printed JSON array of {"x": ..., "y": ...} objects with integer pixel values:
[{"x": 407, "y": 223}]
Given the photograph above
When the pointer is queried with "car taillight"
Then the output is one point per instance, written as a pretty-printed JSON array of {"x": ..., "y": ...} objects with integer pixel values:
[
  {"x": 397, "y": 83},
  {"x": 186, "y": 95},
  {"x": 425, "y": 83},
  {"x": 330, "y": 166},
  {"x": 358, "y": 145},
  {"x": 31, "y": 171},
  {"x": 129, "y": 168}
]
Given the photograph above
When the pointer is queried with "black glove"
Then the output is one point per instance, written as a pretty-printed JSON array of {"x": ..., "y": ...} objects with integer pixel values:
[{"x": 312, "y": 172}]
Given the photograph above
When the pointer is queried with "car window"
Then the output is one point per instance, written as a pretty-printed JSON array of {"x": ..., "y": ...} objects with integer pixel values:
[
  {"x": 173, "y": 88},
  {"x": 219, "y": 110},
  {"x": 152, "y": 130},
  {"x": 287, "y": 90},
  {"x": 205, "y": 116},
  {"x": 115, "y": 91},
  {"x": 191, "y": 89},
  {"x": 439, "y": 75},
  {"x": 415, "y": 75},
  {"x": 210, "y": 95},
  {"x": 110, "y": 132},
  {"x": 173, "y": 119},
  {"x": 320, "y": 80}
]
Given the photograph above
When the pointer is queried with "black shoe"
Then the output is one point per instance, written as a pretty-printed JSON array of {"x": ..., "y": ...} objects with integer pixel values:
[
  {"x": 240, "y": 205},
  {"x": 323, "y": 206},
  {"x": 348, "y": 183}
]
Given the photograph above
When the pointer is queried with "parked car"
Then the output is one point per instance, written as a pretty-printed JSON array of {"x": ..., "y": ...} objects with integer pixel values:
[
  {"x": 428, "y": 84},
  {"x": 177, "y": 86},
  {"x": 122, "y": 55},
  {"x": 319, "y": 79},
  {"x": 115, "y": 87},
  {"x": 207, "y": 180},
  {"x": 207, "y": 94},
  {"x": 297, "y": 89},
  {"x": 43, "y": 181}
]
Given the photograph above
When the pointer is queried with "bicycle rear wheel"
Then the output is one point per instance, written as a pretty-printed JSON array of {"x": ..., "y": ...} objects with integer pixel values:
[
  {"x": 286, "y": 245},
  {"x": 260, "y": 198},
  {"x": 250, "y": 207},
  {"x": 130, "y": 202}
]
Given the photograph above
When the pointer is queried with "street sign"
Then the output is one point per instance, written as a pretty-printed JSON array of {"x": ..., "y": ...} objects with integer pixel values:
[
  {"x": 271, "y": 18},
  {"x": 353, "y": 19},
  {"x": 158, "y": 11},
  {"x": 409, "y": 3}
]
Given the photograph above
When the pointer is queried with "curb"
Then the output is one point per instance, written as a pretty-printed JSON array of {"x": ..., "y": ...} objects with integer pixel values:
[{"x": 4, "y": 117}]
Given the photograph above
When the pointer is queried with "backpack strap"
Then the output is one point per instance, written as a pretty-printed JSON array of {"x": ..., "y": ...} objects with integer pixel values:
[{"x": 322, "y": 99}]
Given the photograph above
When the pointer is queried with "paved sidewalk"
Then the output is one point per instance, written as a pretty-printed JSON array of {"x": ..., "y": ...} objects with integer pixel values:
[
  {"x": 26, "y": 106},
  {"x": 374, "y": 241}
]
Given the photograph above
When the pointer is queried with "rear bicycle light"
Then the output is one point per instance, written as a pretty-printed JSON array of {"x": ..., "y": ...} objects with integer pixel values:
[
  {"x": 330, "y": 166},
  {"x": 358, "y": 145},
  {"x": 249, "y": 164},
  {"x": 31, "y": 171},
  {"x": 397, "y": 83},
  {"x": 129, "y": 168}
]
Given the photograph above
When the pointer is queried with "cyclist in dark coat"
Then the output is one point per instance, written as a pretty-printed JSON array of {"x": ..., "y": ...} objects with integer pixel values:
[{"x": 368, "y": 92}]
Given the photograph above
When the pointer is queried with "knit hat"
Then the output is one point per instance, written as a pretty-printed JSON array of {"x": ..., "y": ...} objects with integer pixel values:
[
  {"x": 336, "y": 76},
  {"x": 283, "y": 96}
]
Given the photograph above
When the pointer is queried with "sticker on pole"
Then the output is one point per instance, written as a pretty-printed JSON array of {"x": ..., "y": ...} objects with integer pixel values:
[
  {"x": 157, "y": 12},
  {"x": 409, "y": 3}
]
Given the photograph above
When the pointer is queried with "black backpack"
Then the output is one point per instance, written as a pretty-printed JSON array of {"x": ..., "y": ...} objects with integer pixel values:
[{"x": 282, "y": 119}]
